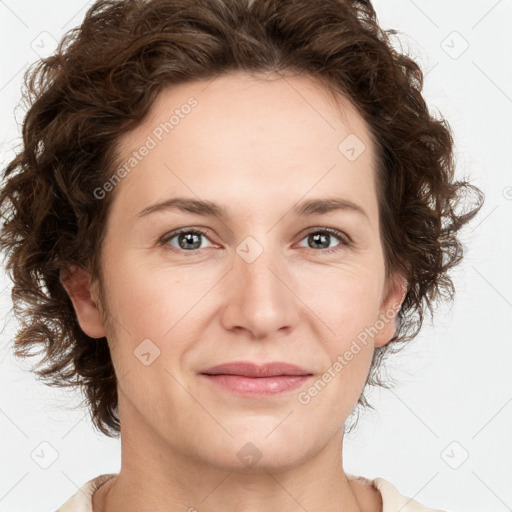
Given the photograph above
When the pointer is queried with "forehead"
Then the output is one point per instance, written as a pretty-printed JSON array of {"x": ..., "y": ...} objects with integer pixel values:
[
  {"x": 256, "y": 99},
  {"x": 238, "y": 133}
]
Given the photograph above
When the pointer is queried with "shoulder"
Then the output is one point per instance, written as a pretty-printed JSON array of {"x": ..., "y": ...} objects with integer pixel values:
[
  {"x": 81, "y": 501},
  {"x": 394, "y": 501}
]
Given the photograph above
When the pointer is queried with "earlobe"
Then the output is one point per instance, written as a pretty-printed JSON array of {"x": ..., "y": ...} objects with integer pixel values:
[
  {"x": 77, "y": 283},
  {"x": 390, "y": 307}
]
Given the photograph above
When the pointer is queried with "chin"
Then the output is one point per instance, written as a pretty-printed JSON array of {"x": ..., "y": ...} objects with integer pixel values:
[{"x": 268, "y": 450}]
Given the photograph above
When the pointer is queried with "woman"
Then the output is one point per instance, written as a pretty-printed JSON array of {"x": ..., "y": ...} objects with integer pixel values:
[{"x": 224, "y": 215}]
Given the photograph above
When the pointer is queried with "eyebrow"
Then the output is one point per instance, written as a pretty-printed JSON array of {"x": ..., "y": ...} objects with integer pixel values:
[{"x": 209, "y": 208}]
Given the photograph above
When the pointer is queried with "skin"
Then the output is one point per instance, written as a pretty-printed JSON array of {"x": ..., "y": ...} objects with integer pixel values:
[{"x": 255, "y": 147}]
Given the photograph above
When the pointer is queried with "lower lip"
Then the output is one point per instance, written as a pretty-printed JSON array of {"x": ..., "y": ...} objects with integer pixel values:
[{"x": 258, "y": 386}]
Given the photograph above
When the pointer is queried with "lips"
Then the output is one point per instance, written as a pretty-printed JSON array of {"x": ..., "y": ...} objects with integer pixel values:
[
  {"x": 248, "y": 369},
  {"x": 251, "y": 380}
]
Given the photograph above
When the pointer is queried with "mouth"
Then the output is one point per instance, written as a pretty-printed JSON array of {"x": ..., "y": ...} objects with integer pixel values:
[{"x": 250, "y": 379}]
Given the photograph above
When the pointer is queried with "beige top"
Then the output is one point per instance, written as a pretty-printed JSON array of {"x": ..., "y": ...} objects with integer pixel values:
[{"x": 392, "y": 500}]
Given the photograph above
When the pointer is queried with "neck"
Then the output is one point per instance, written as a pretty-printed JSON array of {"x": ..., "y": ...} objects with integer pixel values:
[{"x": 155, "y": 476}]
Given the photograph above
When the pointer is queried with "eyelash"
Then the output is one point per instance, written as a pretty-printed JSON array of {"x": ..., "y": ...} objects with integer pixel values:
[{"x": 345, "y": 240}]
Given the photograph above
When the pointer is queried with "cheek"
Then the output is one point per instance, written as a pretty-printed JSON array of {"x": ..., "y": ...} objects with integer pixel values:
[
  {"x": 346, "y": 299},
  {"x": 348, "y": 307},
  {"x": 346, "y": 302},
  {"x": 147, "y": 302}
]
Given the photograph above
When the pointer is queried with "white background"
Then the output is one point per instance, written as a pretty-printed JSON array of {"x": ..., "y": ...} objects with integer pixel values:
[{"x": 454, "y": 397}]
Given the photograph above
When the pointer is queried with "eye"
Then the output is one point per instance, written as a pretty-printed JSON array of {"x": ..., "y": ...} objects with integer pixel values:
[
  {"x": 321, "y": 237},
  {"x": 188, "y": 239}
]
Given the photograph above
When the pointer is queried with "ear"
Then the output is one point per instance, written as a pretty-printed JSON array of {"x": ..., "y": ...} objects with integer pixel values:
[
  {"x": 77, "y": 283},
  {"x": 394, "y": 295}
]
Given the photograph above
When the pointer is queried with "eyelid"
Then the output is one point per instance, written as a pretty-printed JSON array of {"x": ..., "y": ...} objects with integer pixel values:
[{"x": 333, "y": 231}]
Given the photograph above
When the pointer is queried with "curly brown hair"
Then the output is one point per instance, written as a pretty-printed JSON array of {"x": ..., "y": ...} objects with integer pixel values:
[{"x": 101, "y": 82}]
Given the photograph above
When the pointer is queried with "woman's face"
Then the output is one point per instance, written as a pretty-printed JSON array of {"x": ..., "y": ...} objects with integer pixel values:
[{"x": 264, "y": 282}]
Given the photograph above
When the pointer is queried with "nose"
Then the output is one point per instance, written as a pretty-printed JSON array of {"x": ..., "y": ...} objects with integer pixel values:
[{"x": 259, "y": 296}]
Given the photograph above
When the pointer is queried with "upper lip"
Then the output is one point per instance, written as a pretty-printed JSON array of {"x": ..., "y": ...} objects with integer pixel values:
[{"x": 249, "y": 369}]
